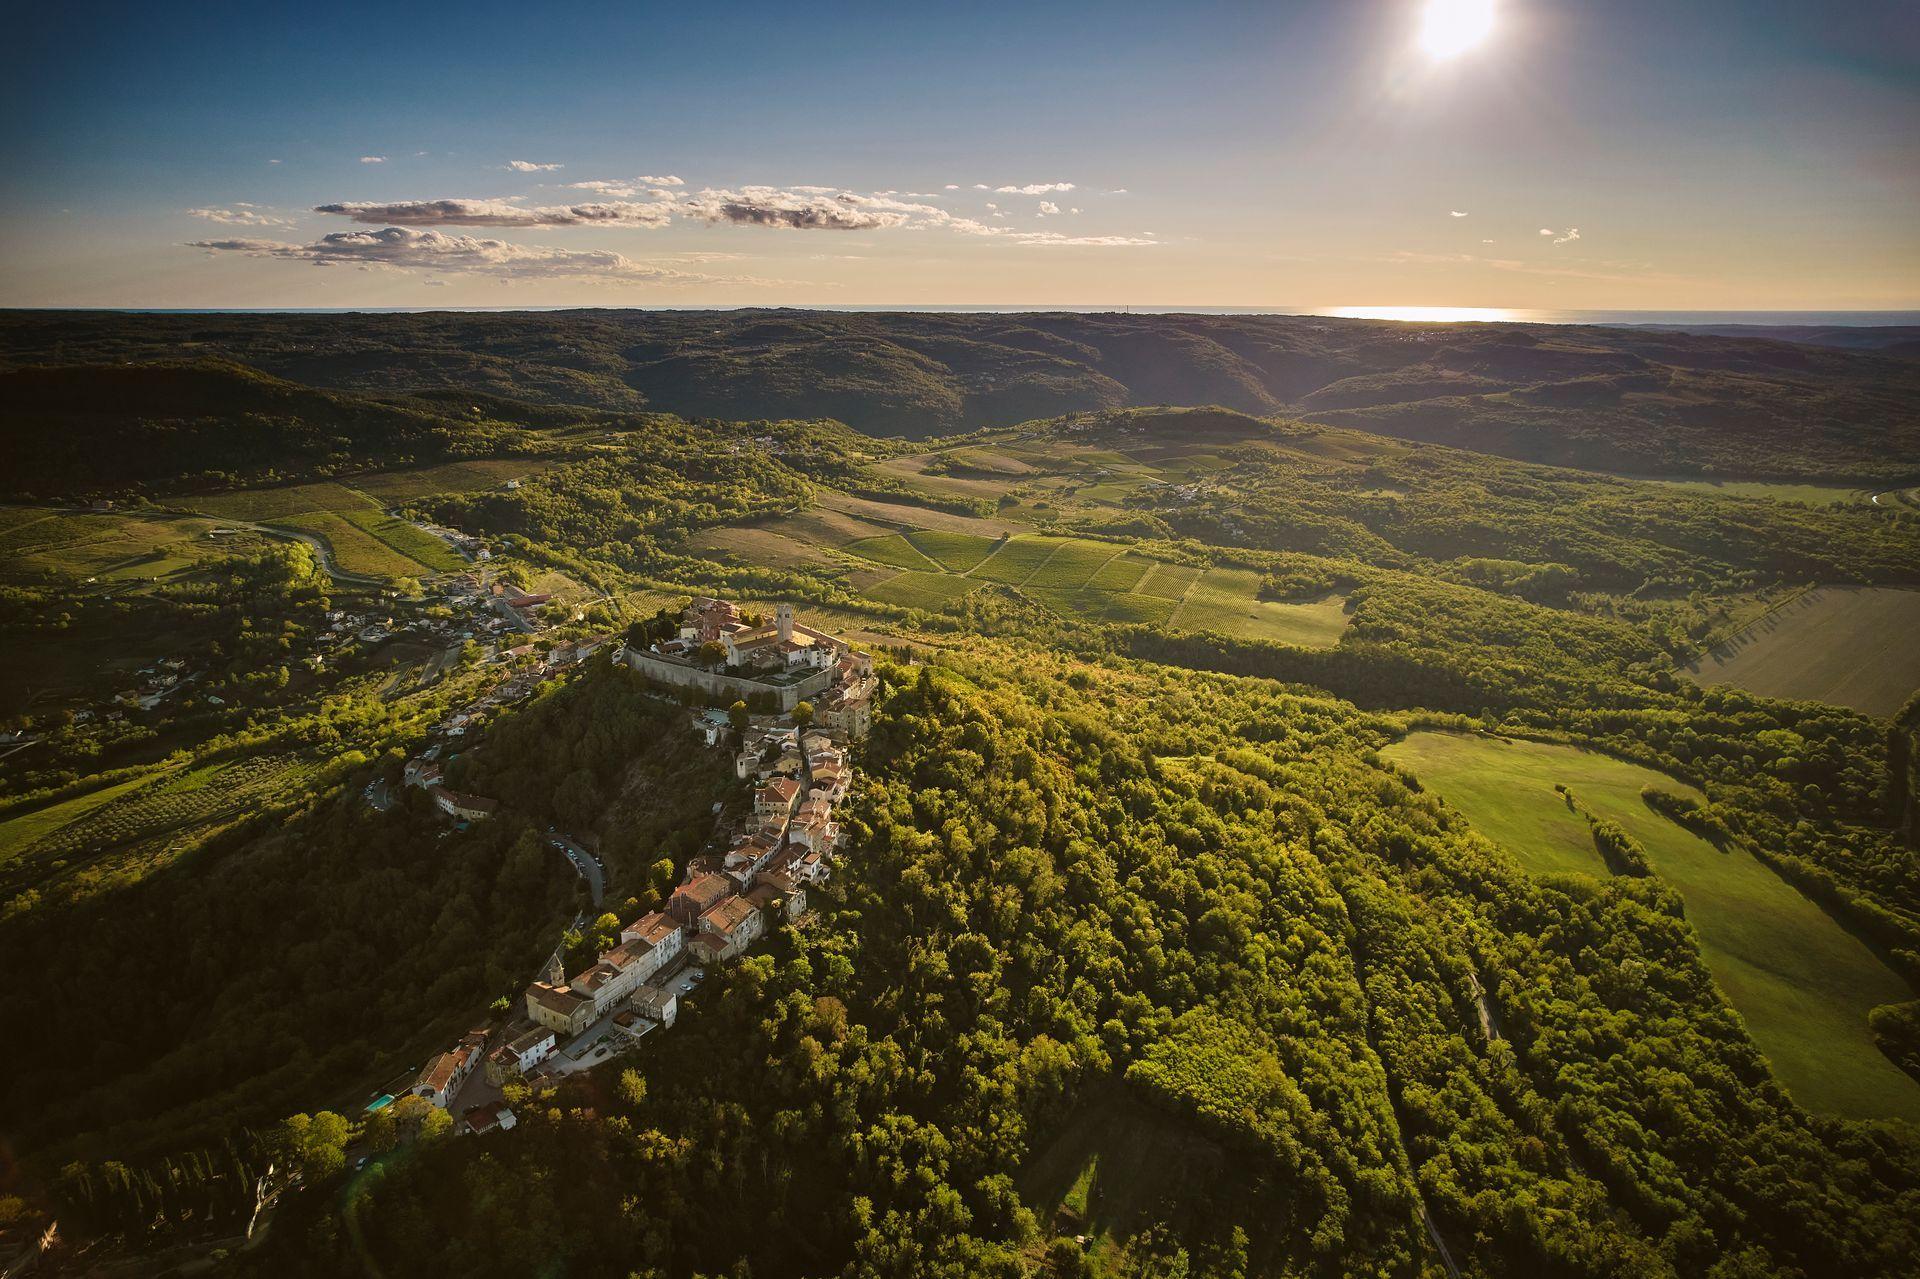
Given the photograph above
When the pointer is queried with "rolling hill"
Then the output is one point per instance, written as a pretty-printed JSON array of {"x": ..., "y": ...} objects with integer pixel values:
[{"x": 1635, "y": 400}]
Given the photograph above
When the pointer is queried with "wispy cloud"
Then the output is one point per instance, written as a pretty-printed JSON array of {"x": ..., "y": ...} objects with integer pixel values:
[
  {"x": 1033, "y": 188},
  {"x": 1049, "y": 239},
  {"x": 373, "y": 159},
  {"x": 405, "y": 249},
  {"x": 1573, "y": 233},
  {"x": 500, "y": 213},
  {"x": 531, "y": 166},
  {"x": 1455, "y": 213},
  {"x": 241, "y": 215},
  {"x": 624, "y": 187}
]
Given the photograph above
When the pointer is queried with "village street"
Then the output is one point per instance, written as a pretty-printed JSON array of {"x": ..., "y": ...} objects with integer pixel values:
[{"x": 584, "y": 862}]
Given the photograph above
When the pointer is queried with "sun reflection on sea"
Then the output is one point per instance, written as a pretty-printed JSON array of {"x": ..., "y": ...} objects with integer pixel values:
[{"x": 1430, "y": 314}]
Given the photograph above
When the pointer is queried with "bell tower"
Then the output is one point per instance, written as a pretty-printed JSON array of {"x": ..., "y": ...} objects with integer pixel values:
[{"x": 783, "y": 620}]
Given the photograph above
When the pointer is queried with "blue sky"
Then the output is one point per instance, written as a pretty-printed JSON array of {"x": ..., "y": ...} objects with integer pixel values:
[{"x": 1709, "y": 155}]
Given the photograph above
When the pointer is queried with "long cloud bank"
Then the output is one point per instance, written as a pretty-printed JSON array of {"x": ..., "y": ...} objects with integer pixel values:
[
  {"x": 795, "y": 208},
  {"x": 408, "y": 249}
]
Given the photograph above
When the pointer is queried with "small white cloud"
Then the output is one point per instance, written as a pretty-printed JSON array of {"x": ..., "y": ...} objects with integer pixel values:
[
  {"x": 273, "y": 162},
  {"x": 373, "y": 159},
  {"x": 241, "y": 214},
  {"x": 1073, "y": 210},
  {"x": 1486, "y": 241},
  {"x": 1573, "y": 233},
  {"x": 1118, "y": 191},
  {"x": 623, "y": 187},
  {"x": 1455, "y": 213},
  {"x": 528, "y": 166},
  {"x": 952, "y": 186},
  {"x": 1048, "y": 209},
  {"x": 1546, "y": 230},
  {"x": 1035, "y": 188}
]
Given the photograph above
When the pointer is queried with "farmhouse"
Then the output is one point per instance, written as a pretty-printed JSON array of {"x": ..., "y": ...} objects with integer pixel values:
[
  {"x": 441, "y": 1078},
  {"x": 558, "y": 1008},
  {"x": 471, "y": 808},
  {"x": 519, "y": 1054}
]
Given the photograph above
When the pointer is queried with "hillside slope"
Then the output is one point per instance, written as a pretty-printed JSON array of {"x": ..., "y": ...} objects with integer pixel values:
[{"x": 1618, "y": 399}]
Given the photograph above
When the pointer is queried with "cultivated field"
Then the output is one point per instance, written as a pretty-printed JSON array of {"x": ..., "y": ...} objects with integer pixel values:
[
  {"x": 1080, "y": 577},
  {"x": 1810, "y": 494},
  {"x": 38, "y": 544},
  {"x": 1849, "y": 646},
  {"x": 362, "y": 537},
  {"x": 921, "y": 590},
  {"x": 1226, "y": 600},
  {"x": 1803, "y": 984}
]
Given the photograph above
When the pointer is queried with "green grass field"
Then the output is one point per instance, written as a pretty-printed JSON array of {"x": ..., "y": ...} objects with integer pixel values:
[
  {"x": 1803, "y": 984},
  {"x": 1226, "y": 600},
  {"x": 914, "y": 589},
  {"x": 1849, "y": 646}
]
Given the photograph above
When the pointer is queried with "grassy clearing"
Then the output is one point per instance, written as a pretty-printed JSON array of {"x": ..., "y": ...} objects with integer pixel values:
[
  {"x": 1803, "y": 984},
  {"x": 1119, "y": 1166},
  {"x": 915, "y": 589},
  {"x": 892, "y": 549},
  {"x": 1848, "y": 646},
  {"x": 1226, "y": 600},
  {"x": 955, "y": 552}
]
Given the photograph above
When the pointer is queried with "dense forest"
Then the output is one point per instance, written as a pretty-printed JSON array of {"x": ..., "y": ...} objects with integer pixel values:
[
  {"x": 1634, "y": 400},
  {"x": 1090, "y": 893}
]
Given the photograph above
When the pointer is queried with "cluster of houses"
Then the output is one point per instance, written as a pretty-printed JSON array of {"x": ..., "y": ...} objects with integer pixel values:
[{"x": 726, "y": 901}]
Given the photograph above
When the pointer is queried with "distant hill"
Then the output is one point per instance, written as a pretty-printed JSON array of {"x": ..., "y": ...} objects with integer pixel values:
[
  {"x": 1640, "y": 400},
  {"x": 76, "y": 429}
]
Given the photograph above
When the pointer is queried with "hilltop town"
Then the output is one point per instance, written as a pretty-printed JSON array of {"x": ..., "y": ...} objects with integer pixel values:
[{"x": 796, "y": 758}]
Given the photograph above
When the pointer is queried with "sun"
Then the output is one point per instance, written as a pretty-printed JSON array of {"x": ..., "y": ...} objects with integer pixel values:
[{"x": 1449, "y": 28}]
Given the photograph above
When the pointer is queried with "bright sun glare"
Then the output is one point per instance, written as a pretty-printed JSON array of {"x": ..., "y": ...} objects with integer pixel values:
[{"x": 1451, "y": 27}]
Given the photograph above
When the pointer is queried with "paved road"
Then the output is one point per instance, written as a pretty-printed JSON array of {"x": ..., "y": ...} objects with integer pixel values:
[
  {"x": 379, "y": 797},
  {"x": 584, "y": 862}
]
